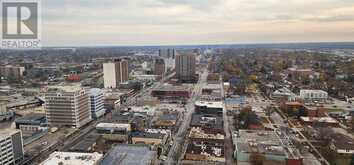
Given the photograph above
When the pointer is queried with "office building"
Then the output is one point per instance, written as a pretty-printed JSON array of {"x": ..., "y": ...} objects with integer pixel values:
[
  {"x": 115, "y": 73},
  {"x": 12, "y": 72},
  {"x": 185, "y": 67},
  {"x": 11, "y": 147},
  {"x": 67, "y": 106},
  {"x": 96, "y": 103},
  {"x": 159, "y": 67},
  {"x": 167, "y": 53}
]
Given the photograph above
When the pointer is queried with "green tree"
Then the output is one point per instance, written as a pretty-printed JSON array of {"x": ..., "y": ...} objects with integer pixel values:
[{"x": 257, "y": 159}]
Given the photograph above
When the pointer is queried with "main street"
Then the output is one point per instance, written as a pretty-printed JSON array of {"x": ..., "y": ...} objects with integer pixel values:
[
  {"x": 228, "y": 138},
  {"x": 179, "y": 139}
]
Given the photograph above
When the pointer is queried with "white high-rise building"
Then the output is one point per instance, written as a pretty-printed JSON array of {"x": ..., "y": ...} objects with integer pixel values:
[
  {"x": 67, "y": 106},
  {"x": 11, "y": 147},
  {"x": 115, "y": 73},
  {"x": 96, "y": 103},
  {"x": 109, "y": 75}
]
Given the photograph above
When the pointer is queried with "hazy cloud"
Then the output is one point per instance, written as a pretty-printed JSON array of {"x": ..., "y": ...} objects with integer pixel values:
[{"x": 120, "y": 22}]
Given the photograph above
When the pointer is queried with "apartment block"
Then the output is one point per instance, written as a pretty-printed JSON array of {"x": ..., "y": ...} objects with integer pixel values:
[
  {"x": 115, "y": 73},
  {"x": 185, "y": 67}
]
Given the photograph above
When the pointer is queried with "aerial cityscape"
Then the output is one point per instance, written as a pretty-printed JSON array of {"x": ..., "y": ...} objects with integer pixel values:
[{"x": 74, "y": 95}]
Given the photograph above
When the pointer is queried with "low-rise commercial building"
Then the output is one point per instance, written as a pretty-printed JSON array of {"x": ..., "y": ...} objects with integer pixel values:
[
  {"x": 313, "y": 95},
  {"x": 265, "y": 144},
  {"x": 314, "y": 111},
  {"x": 208, "y": 107},
  {"x": 149, "y": 138},
  {"x": 342, "y": 144},
  {"x": 73, "y": 158},
  {"x": 31, "y": 124},
  {"x": 205, "y": 147},
  {"x": 130, "y": 154},
  {"x": 210, "y": 123},
  {"x": 166, "y": 120},
  {"x": 114, "y": 131},
  {"x": 322, "y": 121},
  {"x": 171, "y": 92},
  {"x": 283, "y": 94},
  {"x": 234, "y": 103},
  {"x": 199, "y": 134}
]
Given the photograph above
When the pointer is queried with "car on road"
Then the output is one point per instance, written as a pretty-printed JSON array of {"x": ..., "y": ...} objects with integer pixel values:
[{"x": 44, "y": 143}]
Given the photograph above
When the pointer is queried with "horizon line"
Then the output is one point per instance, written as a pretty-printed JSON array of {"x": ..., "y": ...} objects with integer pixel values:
[{"x": 205, "y": 44}]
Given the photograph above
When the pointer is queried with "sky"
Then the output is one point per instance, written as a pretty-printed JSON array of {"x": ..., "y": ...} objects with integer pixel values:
[{"x": 184, "y": 22}]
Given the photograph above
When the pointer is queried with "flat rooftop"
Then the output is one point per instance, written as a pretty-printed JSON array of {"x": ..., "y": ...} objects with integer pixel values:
[
  {"x": 31, "y": 118},
  {"x": 259, "y": 141},
  {"x": 319, "y": 119},
  {"x": 7, "y": 132},
  {"x": 113, "y": 126},
  {"x": 312, "y": 90},
  {"x": 207, "y": 121},
  {"x": 209, "y": 151},
  {"x": 212, "y": 86},
  {"x": 73, "y": 158},
  {"x": 198, "y": 133},
  {"x": 209, "y": 104},
  {"x": 171, "y": 88},
  {"x": 129, "y": 154},
  {"x": 152, "y": 135},
  {"x": 66, "y": 88}
]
